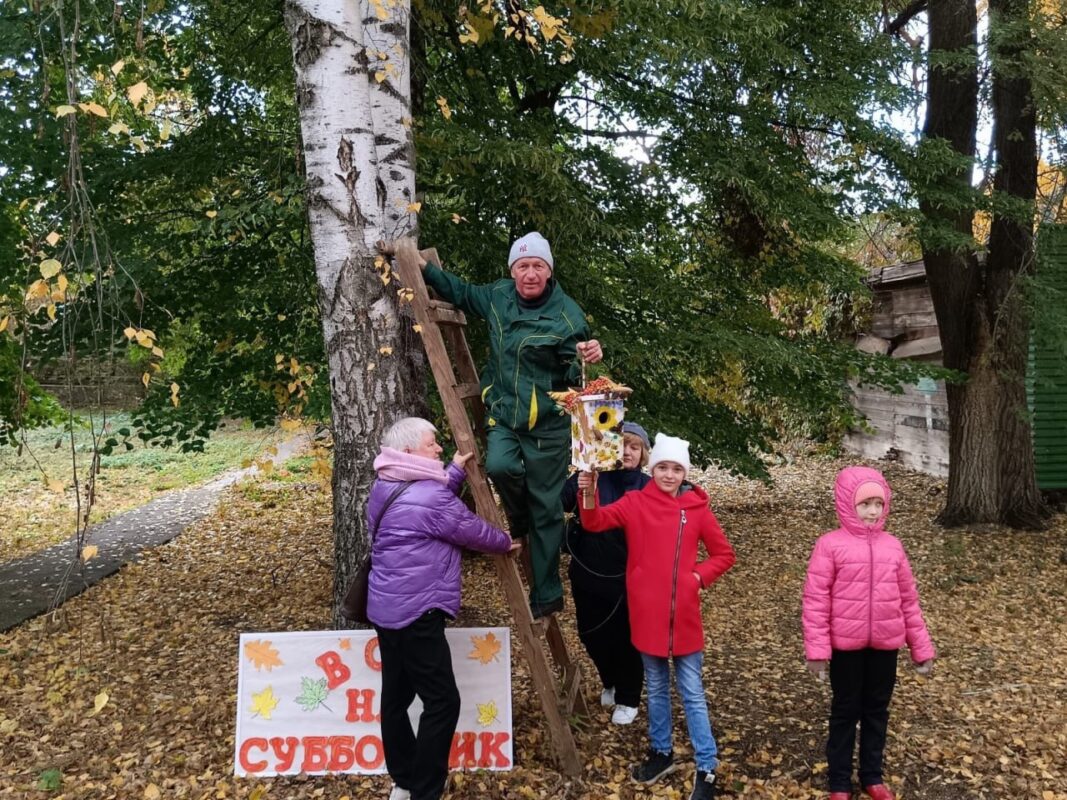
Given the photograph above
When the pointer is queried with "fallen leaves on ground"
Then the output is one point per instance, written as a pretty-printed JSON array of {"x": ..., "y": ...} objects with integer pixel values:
[{"x": 159, "y": 642}]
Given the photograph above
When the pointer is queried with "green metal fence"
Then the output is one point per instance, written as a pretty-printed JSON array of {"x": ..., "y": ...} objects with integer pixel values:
[{"x": 1047, "y": 378}]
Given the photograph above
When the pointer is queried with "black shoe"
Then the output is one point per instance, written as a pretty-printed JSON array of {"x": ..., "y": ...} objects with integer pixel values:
[
  {"x": 704, "y": 786},
  {"x": 551, "y": 607},
  {"x": 654, "y": 767}
]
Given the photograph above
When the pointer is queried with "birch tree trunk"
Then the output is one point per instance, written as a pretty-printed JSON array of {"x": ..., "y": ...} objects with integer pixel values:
[
  {"x": 386, "y": 36},
  {"x": 346, "y": 195}
]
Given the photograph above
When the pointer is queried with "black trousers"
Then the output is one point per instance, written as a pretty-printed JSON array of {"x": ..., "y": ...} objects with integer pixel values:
[
  {"x": 604, "y": 629},
  {"x": 862, "y": 683},
  {"x": 416, "y": 660}
]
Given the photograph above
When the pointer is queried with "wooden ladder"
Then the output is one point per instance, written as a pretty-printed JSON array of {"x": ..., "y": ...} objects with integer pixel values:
[{"x": 442, "y": 323}]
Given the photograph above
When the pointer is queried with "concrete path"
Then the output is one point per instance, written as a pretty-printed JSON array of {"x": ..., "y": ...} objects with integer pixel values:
[{"x": 32, "y": 584}]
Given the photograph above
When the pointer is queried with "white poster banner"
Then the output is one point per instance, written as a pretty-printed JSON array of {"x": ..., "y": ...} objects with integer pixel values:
[{"x": 310, "y": 702}]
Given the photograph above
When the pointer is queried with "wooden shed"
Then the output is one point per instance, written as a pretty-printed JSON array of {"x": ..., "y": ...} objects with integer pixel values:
[{"x": 911, "y": 426}]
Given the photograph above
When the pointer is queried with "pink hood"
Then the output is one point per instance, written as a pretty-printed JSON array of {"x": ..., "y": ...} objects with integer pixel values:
[
  {"x": 848, "y": 481},
  {"x": 860, "y": 591}
]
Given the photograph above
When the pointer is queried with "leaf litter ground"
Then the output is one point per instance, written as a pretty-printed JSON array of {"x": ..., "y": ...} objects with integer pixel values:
[{"x": 132, "y": 693}]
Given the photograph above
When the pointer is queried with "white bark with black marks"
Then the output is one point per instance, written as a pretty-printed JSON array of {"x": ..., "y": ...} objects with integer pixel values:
[{"x": 361, "y": 322}]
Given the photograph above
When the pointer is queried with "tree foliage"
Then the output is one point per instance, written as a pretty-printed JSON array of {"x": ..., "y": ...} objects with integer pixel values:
[{"x": 697, "y": 169}]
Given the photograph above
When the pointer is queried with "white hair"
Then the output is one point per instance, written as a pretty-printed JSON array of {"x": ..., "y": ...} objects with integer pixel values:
[{"x": 407, "y": 433}]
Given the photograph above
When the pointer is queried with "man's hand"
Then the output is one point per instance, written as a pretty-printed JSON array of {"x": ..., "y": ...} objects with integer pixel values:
[
  {"x": 461, "y": 459},
  {"x": 587, "y": 480},
  {"x": 590, "y": 352},
  {"x": 820, "y": 669},
  {"x": 516, "y": 547}
]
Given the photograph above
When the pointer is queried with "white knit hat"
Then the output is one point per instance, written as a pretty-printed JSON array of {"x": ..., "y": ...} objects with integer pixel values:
[
  {"x": 669, "y": 448},
  {"x": 532, "y": 245}
]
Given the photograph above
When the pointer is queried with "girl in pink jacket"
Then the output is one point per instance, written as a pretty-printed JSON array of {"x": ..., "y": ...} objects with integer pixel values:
[{"x": 860, "y": 607}]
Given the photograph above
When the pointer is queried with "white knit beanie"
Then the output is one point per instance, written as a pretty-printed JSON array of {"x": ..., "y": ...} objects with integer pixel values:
[
  {"x": 669, "y": 448},
  {"x": 532, "y": 245}
]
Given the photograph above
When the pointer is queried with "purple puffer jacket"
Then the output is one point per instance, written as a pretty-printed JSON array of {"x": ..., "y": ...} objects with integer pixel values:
[{"x": 417, "y": 550}]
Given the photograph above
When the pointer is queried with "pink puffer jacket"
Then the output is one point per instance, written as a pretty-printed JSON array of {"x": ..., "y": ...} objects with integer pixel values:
[{"x": 860, "y": 591}]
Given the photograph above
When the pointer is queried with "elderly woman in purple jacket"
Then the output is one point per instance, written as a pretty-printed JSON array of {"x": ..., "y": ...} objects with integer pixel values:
[{"x": 422, "y": 526}]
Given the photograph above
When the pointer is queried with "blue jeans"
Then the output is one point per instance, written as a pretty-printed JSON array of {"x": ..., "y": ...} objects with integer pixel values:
[{"x": 691, "y": 688}]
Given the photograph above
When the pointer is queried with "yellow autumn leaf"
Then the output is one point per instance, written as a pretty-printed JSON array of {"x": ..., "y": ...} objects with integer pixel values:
[
  {"x": 487, "y": 713},
  {"x": 50, "y": 268},
  {"x": 151, "y": 792},
  {"x": 51, "y": 311},
  {"x": 3, "y": 323},
  {"x": 93, "y": 108},
  {"x": 52, "y": 238},
  {"x": 456, "y": 218},
  {"x": 137, "y": 92},
  {"x": 417, "y": 328},
  {"x": 89, "y": 551},
  {"x": 289, "y": 425},
  {"x": 211, "y": 214},
  {"x": 145, "y": 378},
  {"x": 385, "y": 351},
  {"x": 62, "y": 283},
  {"x": 129, "y": 332},
  {"x": 99, "y": 702},
  {"x": 157, "y": 351},
  {"x": 116, "y": 68},
  {"x": 142, "y": 339},
  {"x": 118, "y": 127},
  {"x": 54, "y": 485},
  {"x": 414, "y": 208},
  {"x": 37, "y": 290},
  {"x": 380, "y": 76},
  {"x": 64, "y": 110},
  {"x": 165, "y": 129}
]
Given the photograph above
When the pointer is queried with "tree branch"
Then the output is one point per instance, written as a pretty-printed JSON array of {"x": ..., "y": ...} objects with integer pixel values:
[{"x": 910, "y": 11}]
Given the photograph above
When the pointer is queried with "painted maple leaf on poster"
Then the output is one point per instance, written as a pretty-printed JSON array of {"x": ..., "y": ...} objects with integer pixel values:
[
  {"x": 264, "y": 703},
  {"x": 262, "y": 655},
  {"x": 312, "y": 694},
  {"x": 486, "y": 648},
  {"x": 487, "y": 714}
]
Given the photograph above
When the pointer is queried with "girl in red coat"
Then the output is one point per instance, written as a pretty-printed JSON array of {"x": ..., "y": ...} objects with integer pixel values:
[
  {"x": 663, "y": 524},
  {"x": 860, "y": 607}
]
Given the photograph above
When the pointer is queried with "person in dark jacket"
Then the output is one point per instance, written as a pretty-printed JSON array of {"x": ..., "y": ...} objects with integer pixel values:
[
  {"x": 420, "y": 527},
  {"x": 538, "y": 337},
  {"x": 598, "y": 582}
]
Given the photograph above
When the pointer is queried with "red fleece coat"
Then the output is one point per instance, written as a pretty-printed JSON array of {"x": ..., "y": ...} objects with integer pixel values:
[{"x": 661, "y": 540}]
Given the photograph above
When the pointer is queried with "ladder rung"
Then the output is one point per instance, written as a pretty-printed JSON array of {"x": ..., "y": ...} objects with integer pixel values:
[
  {"x": 468, "y": 390},
  {"x": 446, "y": 314}
]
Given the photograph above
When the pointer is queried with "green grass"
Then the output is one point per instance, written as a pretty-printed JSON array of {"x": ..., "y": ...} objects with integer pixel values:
[{"x": 34, "y": 516}]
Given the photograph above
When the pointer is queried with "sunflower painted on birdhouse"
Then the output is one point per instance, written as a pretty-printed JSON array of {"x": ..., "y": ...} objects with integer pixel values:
[{"x": 597, "y": 412}]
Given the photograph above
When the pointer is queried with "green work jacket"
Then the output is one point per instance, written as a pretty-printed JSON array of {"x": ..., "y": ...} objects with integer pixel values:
[{"x": 531, "y": 351}]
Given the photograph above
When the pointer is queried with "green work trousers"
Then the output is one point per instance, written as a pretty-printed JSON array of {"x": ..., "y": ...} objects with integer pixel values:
[{"x": 528, "y": 469}]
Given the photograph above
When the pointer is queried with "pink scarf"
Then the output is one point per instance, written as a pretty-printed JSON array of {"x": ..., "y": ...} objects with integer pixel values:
[{"x": 396, "y": 465}]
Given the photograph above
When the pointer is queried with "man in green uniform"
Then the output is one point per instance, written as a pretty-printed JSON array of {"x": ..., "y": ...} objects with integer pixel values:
[{"x": 537, "y": 334}]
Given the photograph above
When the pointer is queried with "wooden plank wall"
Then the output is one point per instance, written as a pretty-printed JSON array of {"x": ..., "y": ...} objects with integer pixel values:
[{"x": 912, "y": 427}]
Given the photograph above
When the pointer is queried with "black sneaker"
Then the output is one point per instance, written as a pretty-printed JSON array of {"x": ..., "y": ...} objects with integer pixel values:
[
  {"x": 654, "y": 767},
  {"x": 703, "y": 786}
]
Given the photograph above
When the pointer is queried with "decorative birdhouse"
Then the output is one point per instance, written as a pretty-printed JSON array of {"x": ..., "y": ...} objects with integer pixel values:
[{"x": 597, "y": 412}]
